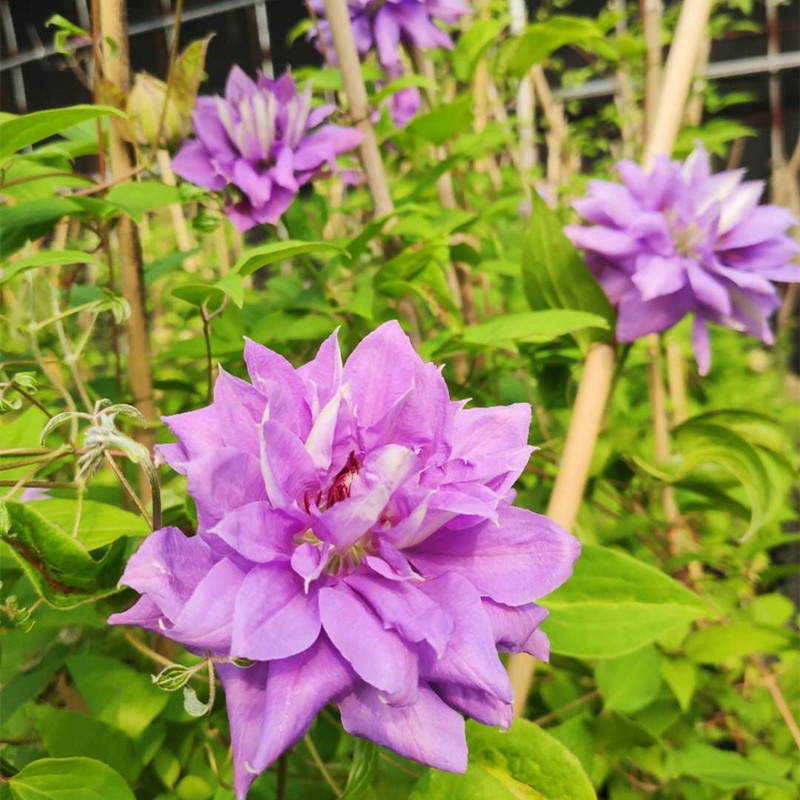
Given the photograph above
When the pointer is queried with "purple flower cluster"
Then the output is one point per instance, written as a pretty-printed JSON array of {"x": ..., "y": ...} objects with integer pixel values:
[
  {"x": 680, "y": 240},
  {"x": 358, "y": 543},
  {"x": 385, "y": 26},
  {"x": 260, "y": 144}
]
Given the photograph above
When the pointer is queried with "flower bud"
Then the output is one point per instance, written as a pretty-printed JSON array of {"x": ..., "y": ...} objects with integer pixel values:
[{"x": 145, "y": 107}]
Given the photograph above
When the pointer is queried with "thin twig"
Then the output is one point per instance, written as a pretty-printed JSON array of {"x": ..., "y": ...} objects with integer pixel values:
[
  {"x": 128, "y": 488},
  {"x": 777, "y": 696},
  {"x": 173, "y": 57},
  {"x": 321, "y": 766},
  {"x": 579, "y": 701}
]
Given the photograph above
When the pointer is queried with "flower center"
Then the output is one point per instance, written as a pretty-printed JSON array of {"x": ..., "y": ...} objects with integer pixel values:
[
  {"x": 336, "y": 562},
  {"x": 340, "y": 488},
  {"x": 687, "y": 238}
]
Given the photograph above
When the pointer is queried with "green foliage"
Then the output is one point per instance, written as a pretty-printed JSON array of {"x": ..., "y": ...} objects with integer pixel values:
[
  {"x": 61, "y": 568},
  {"x": 636, "y": 602},
  {"x": 655, "y": 685},
  {"x": 554, "y": 275},
  {"x": 17, "y": 133},
  {"x": 524, "y": 762},
  {"x": 69, "y": 779}
]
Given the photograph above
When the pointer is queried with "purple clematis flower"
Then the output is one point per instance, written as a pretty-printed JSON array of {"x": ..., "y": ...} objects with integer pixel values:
[
  {"x": 680, "y": 240},
  {"x": 259, "y": 144},
  {"x": 385, "y": 26},
  {"x": 358, "y": 543}
]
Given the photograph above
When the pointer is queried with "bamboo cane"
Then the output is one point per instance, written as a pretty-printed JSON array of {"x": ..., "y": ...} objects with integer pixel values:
[
  {"x": 338, "y": 16},
  {"x": 344, "y": 44},
  {"x": 594, "y": 387},
  {"x": 113, "y": 27}
]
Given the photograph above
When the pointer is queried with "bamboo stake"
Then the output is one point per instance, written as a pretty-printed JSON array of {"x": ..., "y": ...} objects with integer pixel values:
[
  {"x": 183, "y": 237},
  {"x": 338, "y": 17},
  {"x": 113, "y": 27},
  {"x": 594, "y": 388},
  {"x": 356, "y": 94},
  {"x": 658, "y": 407},
  {"x": 652, "y": 12},
  {"x": 676, "y": 380},
  {"x": 525, "y": 105}
]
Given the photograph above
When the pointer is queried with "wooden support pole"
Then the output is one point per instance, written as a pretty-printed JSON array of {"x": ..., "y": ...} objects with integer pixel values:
[
  {"x": 116, "y": 61},
  {"x": 590, "y": 402},
  {"x": 338, "y": 16}
]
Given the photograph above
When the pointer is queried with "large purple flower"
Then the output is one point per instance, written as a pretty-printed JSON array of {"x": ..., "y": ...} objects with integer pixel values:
[
  {"x": 680, "y": 240},
  {"x": 385, "y": 26},
  {"x": 260, "y": 144},
  {"x": 358, "y": 543}
]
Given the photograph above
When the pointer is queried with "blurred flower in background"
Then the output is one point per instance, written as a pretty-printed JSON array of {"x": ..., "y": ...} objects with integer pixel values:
[
  {"x": 680, "y": 240},
  {"x": 259, "y": 144},
  {"x": 386, "y": 26}
]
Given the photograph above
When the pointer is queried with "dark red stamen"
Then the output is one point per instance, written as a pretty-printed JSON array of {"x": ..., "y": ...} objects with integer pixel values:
[{"x": 340, "y": 489}]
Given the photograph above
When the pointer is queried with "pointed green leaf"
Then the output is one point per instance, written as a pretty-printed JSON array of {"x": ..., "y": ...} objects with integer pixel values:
[
  {"x": 614, "y": 604},
  {"x": 47, "y": 258},
  {"x": 554, "y": 275},
  {"x": 258, "y": 257},
  {"x": 60, "y": 567},
  {"x": 19, "y": 132}
]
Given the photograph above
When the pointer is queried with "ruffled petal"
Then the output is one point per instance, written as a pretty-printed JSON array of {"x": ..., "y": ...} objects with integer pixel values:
[
  {"x": 428, "y": 730},
  {"x": 274, "y": 617},
  {"x": 522, "y": 559},
  {"x": 380, "y": 657}
]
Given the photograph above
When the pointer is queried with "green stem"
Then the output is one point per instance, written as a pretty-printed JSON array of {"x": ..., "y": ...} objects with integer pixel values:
[{"x": 321, "y": 766}]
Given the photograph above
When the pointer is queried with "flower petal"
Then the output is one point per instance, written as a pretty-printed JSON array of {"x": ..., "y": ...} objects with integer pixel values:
[
  {"x": 379, "y": 656},
  {"x": 524, "y": 558},
  {"x": 404, "y": 606},
  {"x": 428, "y": 730},
  {"x": 258, "y": 532},
  {"x": 274, "y": 617}
]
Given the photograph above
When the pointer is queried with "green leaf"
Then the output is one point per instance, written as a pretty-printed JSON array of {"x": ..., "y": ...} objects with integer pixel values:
[
  {"x": 443, "y": 123},
  {"x": 21, "y": 222},
  {"x": 681, "y": 677},
  {"x": 554, "y": 275},
  {"x": 258, "y": 257},
  {"x": 19, "y": 132},
  {"x": 116, "y": 693},
  {"x": 540, "y": 39},
  {"x": 523, "y": 763},
  {"x": 699, "y": 442},
  {"x": 715, "y": 134},
  {"x": 614, "y": 604},
  {"x": 530, "y": 327},
  {"x": 137, "y": 197},
  {"x": 473, "y": 44},
  {"x": 198, "y": 294},
  {"x": 68, "y": 733},
  {"x": 47, "y": 258},
  {"x": 721, "y": 642},
  {"x": 188, "y": 74},
  {"x": 724, "y": 768},
  {"x": 101, "y": 523},
  {"x": 60, "y": 567},
  {"x": 26, "y": 178},
  {"x": 69, "y": 779},
  {"x": 630, "y": 682},
  {"x": 363, "y": 769},
  {"x": 21, "y": 431}
]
